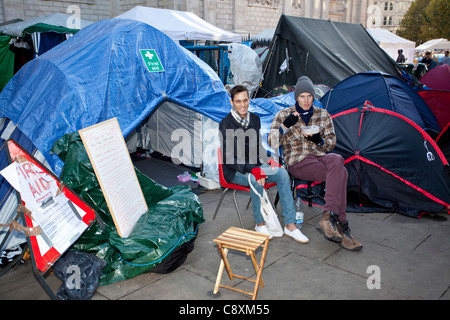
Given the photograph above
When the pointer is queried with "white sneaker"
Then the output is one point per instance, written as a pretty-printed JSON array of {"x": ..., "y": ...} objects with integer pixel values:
[
  {"x": 297, "y": 235},
  {"x": 263, "y": 229}
]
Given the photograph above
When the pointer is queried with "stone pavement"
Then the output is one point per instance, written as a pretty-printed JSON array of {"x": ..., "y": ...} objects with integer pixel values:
[{"x": 410, "y": 258}]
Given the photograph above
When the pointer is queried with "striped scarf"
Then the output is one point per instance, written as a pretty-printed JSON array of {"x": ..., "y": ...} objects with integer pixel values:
[{"x": 244, "y": 122}]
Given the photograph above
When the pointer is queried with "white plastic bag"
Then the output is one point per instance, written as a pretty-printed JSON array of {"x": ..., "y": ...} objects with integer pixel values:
[{"x": 270, "y": 216}]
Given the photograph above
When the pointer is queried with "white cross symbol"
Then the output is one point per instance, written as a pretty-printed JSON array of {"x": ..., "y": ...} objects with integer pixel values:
[{"x": 149, "y": 55}]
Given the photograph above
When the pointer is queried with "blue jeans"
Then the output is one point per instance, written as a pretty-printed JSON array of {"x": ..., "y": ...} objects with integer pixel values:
[{"x": 281, "y": 177}]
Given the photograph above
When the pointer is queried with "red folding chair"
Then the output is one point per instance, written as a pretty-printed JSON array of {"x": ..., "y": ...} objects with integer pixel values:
[{"x": 231, "y": 186}]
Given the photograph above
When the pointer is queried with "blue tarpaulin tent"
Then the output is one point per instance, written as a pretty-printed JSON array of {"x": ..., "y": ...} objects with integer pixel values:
[
  {"x": 100, "y": 73},
  {"x": 124, "y": 69}
]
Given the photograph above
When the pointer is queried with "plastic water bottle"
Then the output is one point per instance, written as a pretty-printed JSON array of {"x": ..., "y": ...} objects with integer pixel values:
[{"x": 299, "y": 212}]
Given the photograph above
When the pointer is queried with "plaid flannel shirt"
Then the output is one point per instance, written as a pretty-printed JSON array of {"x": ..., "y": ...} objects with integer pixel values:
[{"x": 295, "y": 146}]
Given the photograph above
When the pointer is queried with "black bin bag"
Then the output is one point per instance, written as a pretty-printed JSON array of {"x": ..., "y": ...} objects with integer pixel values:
[{"x": 80, "y": 273}]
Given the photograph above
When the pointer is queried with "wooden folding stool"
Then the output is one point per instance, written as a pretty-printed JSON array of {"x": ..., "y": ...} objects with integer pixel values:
[{"x": 246, "y": 241}]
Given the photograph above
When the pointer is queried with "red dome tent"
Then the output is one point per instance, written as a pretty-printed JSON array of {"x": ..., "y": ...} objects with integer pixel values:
[
  {"x": 439, "y": 103},
  {"x": 437, "y": 78},
  {"x": 438, "y": 98}
]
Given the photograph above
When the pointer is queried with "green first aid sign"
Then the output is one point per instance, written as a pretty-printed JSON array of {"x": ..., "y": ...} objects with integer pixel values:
[{"x": 151, "y": 60}]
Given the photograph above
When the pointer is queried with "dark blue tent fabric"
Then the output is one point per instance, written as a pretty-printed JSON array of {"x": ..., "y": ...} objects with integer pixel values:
[
  {"x": 48, "y": 40},
  {"x": 384, "y": 91},
  {"x": 99, "y": 74}
]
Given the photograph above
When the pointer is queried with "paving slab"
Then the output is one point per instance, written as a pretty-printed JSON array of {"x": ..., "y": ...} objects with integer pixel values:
[{"x": 407, "y": 257}]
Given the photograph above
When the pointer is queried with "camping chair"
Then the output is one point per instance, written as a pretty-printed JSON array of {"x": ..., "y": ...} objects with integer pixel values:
[
  {"x": 231, "y": 186},
  {"x": 315, "y": 189}
]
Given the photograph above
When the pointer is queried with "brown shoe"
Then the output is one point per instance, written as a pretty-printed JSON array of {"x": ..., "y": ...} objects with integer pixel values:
[
  {"x": 328, "y": 226},
  {"x": 348, "y": 242}
]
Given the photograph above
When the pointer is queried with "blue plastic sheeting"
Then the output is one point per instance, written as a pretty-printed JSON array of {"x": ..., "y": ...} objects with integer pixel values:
[
  {"x": 384, "y": 91},
  {"x": 99, "y": 74},
  {"x": 266, "y": 109},
  {"x": 8, "y": 199}
]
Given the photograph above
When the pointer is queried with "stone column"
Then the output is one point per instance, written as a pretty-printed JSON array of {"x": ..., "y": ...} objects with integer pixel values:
[
  {"x": 317, "y": 9},
  {"x": 194, "y": 6},
  {"x": 325, "y": 9},
  {"x": 115, "y": 8},
  {"x": 209, "y": 11},
  {"x": 152, "y": 3},
  {"x": 239, "y": 16},
  {"x": 363, "y": 18},
  {"x": 308, "y": 8},
  {"x": 13, "y": 9}
]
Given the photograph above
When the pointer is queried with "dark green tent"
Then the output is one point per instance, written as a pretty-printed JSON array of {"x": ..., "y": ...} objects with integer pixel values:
[
  {"x": 6, "y": 61},
  {"x": 325, "y": 51}
]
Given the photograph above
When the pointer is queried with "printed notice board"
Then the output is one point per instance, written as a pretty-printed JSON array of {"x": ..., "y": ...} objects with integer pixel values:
[
  {"x": 55, "y": 217},
  {"x": 115, "y": 172}
]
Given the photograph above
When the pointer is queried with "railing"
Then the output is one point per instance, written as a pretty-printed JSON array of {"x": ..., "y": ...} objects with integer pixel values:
[{"x": 220, "y": 55}]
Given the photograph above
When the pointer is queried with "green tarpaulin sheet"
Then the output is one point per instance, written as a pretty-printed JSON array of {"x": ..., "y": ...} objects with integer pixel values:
[
  {"x": 170, "y": 223},
  {"x": 43, "y": 27}
]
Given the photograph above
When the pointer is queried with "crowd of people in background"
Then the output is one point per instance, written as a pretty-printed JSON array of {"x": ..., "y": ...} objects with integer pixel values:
[{"x": 432, "y": 59}]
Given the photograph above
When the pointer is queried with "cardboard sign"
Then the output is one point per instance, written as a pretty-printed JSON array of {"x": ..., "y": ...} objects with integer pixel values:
[
  {"x": 55, "y": 216},
  {"x": 115, "y": 172}
]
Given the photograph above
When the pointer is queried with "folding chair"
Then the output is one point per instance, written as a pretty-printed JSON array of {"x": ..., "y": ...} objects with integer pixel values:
[
  {"x": 245, "y": 241},
  {"x": 315, "y": 190},
  {"x": 234, "y": 187}
]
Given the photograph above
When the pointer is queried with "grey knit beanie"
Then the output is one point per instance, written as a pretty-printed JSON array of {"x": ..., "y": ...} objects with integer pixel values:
[{"x": 304, "y": 84}]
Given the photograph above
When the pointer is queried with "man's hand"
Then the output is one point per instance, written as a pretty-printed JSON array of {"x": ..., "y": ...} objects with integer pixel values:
[
  {"x": 260, "y": 175},
  {"x": 316, "y": 138},
  {"x": 261, "y": 182},
  {"x": 290, "y": 120}
]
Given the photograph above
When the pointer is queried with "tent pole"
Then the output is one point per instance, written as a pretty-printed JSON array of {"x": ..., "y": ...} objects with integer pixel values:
[{"x": 272, "y": 45}]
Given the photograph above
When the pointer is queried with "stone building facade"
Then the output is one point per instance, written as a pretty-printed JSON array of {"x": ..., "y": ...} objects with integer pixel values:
[
  {"x": 246, "y": 17},
  {"x": 386, "y": 14}
]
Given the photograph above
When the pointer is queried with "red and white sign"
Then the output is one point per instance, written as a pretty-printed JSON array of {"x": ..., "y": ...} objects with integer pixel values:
[{"x": 61, "y": 215}]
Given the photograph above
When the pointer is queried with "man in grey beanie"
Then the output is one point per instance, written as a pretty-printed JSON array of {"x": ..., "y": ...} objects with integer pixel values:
[{"x": 306, "y": 156}]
